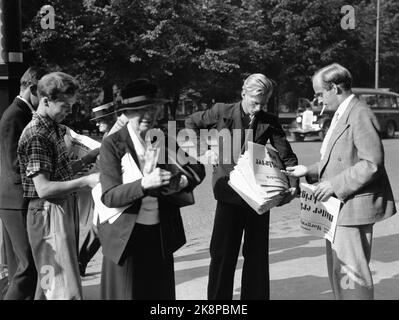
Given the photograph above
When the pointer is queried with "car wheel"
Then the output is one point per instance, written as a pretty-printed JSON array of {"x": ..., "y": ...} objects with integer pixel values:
[
  {"x": 390, "y": 130},
  {"x": 297, "y": 137}
]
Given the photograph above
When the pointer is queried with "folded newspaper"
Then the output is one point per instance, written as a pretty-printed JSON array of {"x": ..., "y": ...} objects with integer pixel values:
[
  {"x": 258, "y": 179},
  {"x": 318, "y": 218},
  {"x": 79, "y": 145},
  {"x": 130, "y": 173}
]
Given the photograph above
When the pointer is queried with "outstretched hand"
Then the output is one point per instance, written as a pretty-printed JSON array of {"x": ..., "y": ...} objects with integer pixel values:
[{"x": 296, "y": 171}]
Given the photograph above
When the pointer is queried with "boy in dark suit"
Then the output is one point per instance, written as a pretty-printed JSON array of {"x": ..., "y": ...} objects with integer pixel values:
[{"x": 233, "y": 215}]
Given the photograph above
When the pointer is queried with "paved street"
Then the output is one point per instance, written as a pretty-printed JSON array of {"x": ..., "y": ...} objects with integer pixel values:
[{"x": 297, "y": 261}]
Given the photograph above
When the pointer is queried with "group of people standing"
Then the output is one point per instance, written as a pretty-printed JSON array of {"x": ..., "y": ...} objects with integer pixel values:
[
  {"x": 41, "y": 216},
  {"x": 41, "y": 192}
]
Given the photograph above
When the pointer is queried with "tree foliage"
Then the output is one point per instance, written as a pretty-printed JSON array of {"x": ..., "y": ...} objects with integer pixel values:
[{"x": 204, "y": 48}]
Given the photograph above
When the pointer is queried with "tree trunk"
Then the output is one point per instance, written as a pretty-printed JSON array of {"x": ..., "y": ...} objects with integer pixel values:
[{"x": 174, "y": 105}]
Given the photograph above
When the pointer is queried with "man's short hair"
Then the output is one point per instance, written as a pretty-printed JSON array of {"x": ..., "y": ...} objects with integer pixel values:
[
  {"x": 334, "y": 74},
  {"x": 31, "y": 77},
  {"x": 57, "y": 85},
  {"x": 258, "y": 84}
]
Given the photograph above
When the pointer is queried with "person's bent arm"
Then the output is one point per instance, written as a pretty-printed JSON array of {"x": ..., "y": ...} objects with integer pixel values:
[
  {"x": 203, "y": 119},
  {"x": 370, "y": 154},
  {"x": 47, "y": 189},
  {"x": 80, "y": 164},
  {"x": 10, "y": 133},
  {"x": 115, "y": 193},
  {"x": 287, "y": 155},
  {"x": 297, "y": 171}
]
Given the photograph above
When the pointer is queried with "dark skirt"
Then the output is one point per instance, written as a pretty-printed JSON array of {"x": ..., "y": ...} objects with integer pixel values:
[{"x": 143, "y": 272}]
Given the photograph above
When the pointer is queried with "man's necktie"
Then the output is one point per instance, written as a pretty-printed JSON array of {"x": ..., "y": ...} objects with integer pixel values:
[
  {"x": 249, "y": 131},
  {"x": 251, "y": 121}
]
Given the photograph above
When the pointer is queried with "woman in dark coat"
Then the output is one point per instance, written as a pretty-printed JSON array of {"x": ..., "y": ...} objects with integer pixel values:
[{"x": 138, "y": 246}]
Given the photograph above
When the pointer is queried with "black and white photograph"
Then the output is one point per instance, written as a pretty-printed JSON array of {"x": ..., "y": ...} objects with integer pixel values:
[{"x": 211, "y": 151}]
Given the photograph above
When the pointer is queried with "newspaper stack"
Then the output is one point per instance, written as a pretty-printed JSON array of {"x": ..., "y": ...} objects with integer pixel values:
[{"x": 257, "y": 177}]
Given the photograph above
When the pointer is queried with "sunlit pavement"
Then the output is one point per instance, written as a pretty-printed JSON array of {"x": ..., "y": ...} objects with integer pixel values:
[{"x": 297, "y": 261}]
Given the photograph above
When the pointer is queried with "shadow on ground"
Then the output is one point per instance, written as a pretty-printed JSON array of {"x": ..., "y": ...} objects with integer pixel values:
[
  {"x": 298, "y": 288},
  {"x": 290, "y": 248},
  {"x": 387, "y": 289},
  {"x": 91, "y": 292},
  {"x": 289, "y": 242},
  {"x": 386, "y": 249},
  {"x": 307, "y": 287}
]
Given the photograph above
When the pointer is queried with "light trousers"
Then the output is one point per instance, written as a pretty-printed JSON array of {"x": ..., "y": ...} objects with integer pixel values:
[
  {"x": 348, "y": 261},
  {"x": 53, "y": 230}
]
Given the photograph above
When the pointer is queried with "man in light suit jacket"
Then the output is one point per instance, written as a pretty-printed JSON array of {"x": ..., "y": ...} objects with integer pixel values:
[
  {"x": 13, "y": 207},
  {"x": 352, "y": 169},
  {"x": 233, "y": 215}
]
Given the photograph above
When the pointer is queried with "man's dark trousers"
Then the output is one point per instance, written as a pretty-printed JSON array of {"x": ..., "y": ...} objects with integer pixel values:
[
  {"x": 23, "y": 279},
  {"x": 230, "y": 221}
]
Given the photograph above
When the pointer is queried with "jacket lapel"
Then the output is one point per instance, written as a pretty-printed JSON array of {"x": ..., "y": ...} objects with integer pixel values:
[
  {"x": 127, "y": 144},
  {"x": 27, "y": 112},
  {"x": 22, "y": 104},
  {"x": 232, "y": 119},
  {"x": 341, "y": 126},
  {"x": 260, "y": 129}
]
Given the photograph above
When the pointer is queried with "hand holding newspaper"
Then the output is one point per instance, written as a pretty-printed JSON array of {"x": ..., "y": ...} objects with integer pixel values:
[
  {"x": 130, "y": 173},
  {"x": 318, "y": 218},
  {"x": 257, "y": 177}
]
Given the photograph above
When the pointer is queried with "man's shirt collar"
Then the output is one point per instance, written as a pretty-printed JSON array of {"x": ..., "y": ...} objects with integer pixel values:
[
  {"x": 27, "y": 102},
  {"x": 344, "y": 105}
]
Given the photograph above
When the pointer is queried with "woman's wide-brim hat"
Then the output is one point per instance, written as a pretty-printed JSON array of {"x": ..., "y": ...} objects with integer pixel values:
[
  {"x": 107, "y": 107},
  {"x": 139, "y": 94},
  {"x": 103, "y": 111}
]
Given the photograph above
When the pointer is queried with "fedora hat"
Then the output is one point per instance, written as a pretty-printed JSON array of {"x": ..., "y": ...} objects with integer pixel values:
[
  {"x": 107, "y": 107},
  {"x": 139, "y": 94}
]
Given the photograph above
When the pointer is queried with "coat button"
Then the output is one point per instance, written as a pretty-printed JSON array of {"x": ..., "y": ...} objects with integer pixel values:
[{"x": 339, "y": 159}]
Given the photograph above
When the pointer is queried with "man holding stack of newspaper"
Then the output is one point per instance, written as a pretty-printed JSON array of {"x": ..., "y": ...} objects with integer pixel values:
[{"x": 233, "y": 214}]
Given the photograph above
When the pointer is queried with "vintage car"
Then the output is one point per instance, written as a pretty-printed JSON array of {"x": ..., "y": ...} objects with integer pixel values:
[
  {"x": 311, "y": 122},
  {"x": 384, "y": 103}
]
